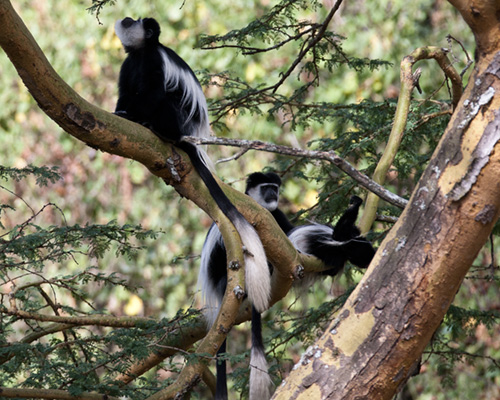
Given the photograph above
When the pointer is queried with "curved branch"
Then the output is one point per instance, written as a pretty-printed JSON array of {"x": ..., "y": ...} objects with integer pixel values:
[
  {"x": 228, "y": 313},
  {"x": 37, "y": 335},
  {"x": 409, "y": 81},
  {"x": 107, "y": 132}
]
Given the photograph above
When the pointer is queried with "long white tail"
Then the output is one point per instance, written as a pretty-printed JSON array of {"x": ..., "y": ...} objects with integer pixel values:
[
  {"x": 257, "y": 275},
  {"x": 260, "y": 381}
]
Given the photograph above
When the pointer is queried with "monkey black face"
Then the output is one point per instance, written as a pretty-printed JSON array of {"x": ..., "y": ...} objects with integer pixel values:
[
  {"x": 136, "y": 34},
  {"x": 266, "y": 194},
  {"x": 264, "y": 189}
]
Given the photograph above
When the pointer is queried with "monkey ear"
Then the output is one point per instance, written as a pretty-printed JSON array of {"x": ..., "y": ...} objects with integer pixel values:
[{"x": 149, "y": 33}]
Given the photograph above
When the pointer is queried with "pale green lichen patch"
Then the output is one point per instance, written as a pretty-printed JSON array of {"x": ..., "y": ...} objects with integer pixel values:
[{"x": 348, "y": 335}]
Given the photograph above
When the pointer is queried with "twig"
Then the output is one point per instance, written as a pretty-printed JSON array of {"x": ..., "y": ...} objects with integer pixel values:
[
  {"x": 235, "y": 157},
  {"x": 469, "y": 60},
  {"x": 311, "y": 44},
  {"x": 493, "y": 258},
  {"x": 19, "y": 197},
  {"x": 317, "y": 32}
]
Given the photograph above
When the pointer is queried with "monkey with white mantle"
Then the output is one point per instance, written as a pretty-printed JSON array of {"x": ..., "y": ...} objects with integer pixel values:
[
  {"x": 332, "y": 245},
  {"x": 160, "y": 91}
]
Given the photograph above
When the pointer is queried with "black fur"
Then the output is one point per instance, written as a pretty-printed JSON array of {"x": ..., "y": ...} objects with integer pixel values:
[
  {"x": 160, "y": 91},
  {"x": 142, "y": 95},
  {"x": 335, "y": 246}
]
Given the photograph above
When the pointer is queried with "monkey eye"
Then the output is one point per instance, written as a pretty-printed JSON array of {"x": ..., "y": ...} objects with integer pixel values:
[{"x": 149, "y": 33}]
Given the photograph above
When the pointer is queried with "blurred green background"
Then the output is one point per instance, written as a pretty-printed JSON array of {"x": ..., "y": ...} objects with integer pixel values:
[{"x": 98, "y": 187}]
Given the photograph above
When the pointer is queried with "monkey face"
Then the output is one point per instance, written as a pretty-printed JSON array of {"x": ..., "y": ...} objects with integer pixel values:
[
  {"x": 135, "y": 34},
  {"x": 266, "y": 194},
  {"x": 131, "y": 33}
]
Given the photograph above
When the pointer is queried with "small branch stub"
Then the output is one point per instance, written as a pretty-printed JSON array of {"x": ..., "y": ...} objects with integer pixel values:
[
  {"x": 234, "y": 265},
  {"x": 298, "y": 272},
  {"x": 239, "y": 292}
]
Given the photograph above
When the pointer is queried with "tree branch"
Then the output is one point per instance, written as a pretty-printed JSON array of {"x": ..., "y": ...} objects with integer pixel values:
[
  {"x": 107, "y": 132},
  {"x": 409, "y": 80},
  {"x": 329, "y": 156},
  {"x": 228, "y": 313},
  {"x": 96, "y": 320}
]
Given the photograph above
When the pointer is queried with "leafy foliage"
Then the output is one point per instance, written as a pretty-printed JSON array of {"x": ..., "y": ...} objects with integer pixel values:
[
  {"x": 30, "y": 285},
  {"x": 280, "y": 28}
]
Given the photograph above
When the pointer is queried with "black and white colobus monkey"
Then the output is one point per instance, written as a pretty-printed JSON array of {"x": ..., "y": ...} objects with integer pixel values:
[
  {"x": 333, "y": 245},
  {"x": 212, "y": 278},
  {"x": 263, "y": 188},
  {"x": 160, "y": 91}
]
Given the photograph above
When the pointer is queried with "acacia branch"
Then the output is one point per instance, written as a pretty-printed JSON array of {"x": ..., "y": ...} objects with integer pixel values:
[
  {"x": 107, "y": 132},
  {"x": 409, "y": 80},
  {"x": 317, "y": 33},
  {"x": 312, "y": 43},
  {"x": 329, "y": 156},
  {"x": 304, "y": 264},
  {"x": 39, "y": 333},
  {"x": 96, "y": 320},
  {"x": 228, "y": 313}
]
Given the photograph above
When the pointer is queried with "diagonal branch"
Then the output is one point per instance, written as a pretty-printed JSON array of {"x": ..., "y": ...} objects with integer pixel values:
[
  {"x": 329, "y": 156},
  {"x": 313, "y": 42},
  {"x": 104, "y": 131}
]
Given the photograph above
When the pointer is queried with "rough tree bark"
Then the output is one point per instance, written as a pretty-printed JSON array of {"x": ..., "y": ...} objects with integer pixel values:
[{"x": 373, "y": 344}]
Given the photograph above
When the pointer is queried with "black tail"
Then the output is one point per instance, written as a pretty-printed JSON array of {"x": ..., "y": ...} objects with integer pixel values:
[
  {"x": 220, "y": 368},
  {"x": 219, "y": 196},
  {"x": 346, "y": 228},
  {"x": 257, "y": 278}
]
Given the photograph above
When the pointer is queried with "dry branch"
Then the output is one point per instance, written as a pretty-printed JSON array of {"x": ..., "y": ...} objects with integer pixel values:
[
  {"x": 329, "y": 156},
  {"x": 51, "y": 394}
]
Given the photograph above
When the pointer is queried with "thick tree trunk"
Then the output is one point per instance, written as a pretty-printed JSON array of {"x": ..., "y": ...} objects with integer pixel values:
[{"x": 373, "y": 344}]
